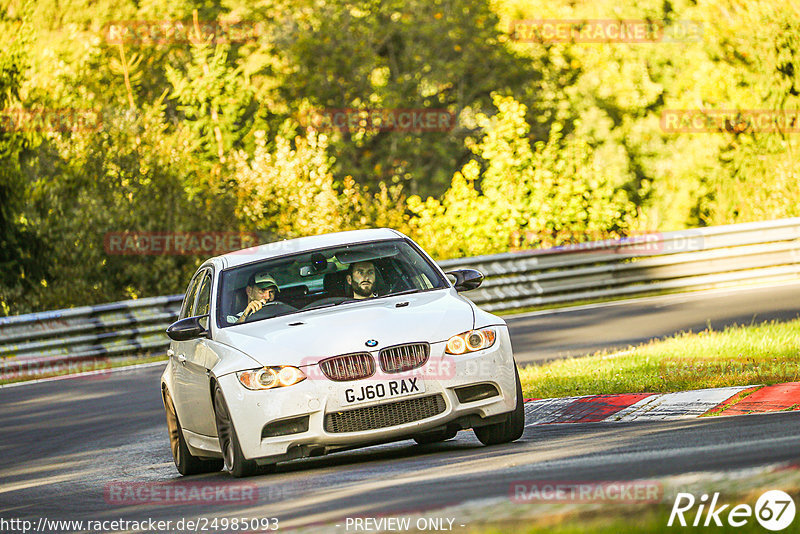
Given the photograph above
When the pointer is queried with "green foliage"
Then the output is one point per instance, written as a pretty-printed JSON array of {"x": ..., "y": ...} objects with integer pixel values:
[
  {"x": 290, "y": 192},
  {"x": 216, "y": 101},
  {"x": 129, "y": 177},
  {"x": 211, "y": 136},
  {"x": 756, "y": 176},
  {"x": 550, "y": 194},
  {"x": 20, "y": 249},
  {"x": 402, "y": 54},
  {"x": 743, "y": 59}
]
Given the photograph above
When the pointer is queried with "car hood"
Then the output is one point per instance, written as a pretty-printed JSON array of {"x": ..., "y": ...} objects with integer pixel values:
[{"x": 305, "y": 338}]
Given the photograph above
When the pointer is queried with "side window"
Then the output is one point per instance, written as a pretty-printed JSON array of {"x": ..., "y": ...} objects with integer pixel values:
[
  {"x": 204, "y": 296},
  {"x": 188, "y": 300}
]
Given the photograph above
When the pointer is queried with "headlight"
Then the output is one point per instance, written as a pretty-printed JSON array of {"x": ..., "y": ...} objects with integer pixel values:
[
  {"x": 471, "y": 341},
  {"x": 271, "y": 377}
]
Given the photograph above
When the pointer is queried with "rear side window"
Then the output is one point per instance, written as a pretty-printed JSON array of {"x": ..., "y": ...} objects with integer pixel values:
[
  {"x": 191, "y": 293},
  {"x": 203, "y": 296},
  {"x": 203, "y": 299}
]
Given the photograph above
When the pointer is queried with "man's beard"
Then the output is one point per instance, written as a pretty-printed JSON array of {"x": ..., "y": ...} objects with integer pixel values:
[{"x": 361, "y": 291}]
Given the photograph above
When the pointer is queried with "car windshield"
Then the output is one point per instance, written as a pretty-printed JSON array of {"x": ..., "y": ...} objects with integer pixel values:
[{"x": 323, "y": 278}]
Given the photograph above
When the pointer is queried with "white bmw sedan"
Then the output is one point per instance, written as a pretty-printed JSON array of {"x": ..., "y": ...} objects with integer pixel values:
[{"x": 306, "y": 346}]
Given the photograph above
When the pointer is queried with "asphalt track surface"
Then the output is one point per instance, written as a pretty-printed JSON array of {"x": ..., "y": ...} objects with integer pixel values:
[
  {"x": 67, "y": 443},
  {"x": 616, "y": 325}
]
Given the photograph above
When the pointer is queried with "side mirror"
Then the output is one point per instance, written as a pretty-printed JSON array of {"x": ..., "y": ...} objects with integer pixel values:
[
  {"x": 466, "y": 279},
  {"x": 189, "y": 328}
]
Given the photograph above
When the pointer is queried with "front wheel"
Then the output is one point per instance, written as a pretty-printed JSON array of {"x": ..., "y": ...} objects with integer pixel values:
[
  {"x": 186, "y": 463},
  {"x": 235, "y": 462},
  {"x": 509, "y": 430}
]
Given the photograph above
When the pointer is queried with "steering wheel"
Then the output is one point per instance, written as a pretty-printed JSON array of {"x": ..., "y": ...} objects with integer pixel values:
[{"x": 269, "y": 310}]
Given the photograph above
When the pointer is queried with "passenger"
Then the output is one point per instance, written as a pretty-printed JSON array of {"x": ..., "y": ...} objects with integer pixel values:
[
  {"x": 361, "y": 279},
  {"x": 261, "y": 289}
]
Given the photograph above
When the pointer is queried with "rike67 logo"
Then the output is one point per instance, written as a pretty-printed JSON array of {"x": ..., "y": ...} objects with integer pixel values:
[{"x": 774, "y": 510}]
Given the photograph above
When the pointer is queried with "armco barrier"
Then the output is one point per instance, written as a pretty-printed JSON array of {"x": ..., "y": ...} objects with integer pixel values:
[
  {"x": 31, "y": 343},
  {"x": 684, "y": 260},
  {"x": 690, "y": 259}
]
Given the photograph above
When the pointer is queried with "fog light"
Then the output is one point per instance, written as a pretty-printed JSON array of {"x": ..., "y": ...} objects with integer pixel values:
[
  {"x": 476, "y": 392},
  {"x": 295, "y": 425}
]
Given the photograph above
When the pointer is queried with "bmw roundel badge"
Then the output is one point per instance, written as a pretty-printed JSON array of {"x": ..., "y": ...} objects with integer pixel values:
[{"x": 371, "y": 343}]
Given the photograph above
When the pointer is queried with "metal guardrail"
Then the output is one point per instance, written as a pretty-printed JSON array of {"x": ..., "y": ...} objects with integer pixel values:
[
  {"x": 691, "y": 259},
  {"x": 41, "y": 343},
  {"x": 684, "y": 260}
]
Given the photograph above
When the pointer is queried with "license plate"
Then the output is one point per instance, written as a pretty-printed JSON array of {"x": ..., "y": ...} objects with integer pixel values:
[{"x": 389, "y": 389}]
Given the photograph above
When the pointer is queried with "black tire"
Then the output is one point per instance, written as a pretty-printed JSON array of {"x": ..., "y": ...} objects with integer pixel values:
[
  {"x": 186, "y": 463},
  {"x": 234, "y": 461},
  {"x": 509, "y": 430},
  {"x": 435, "y": 437}
]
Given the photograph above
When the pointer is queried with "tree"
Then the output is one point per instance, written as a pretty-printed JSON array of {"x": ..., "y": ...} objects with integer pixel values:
[
  {"x": 215, "y": 100},
  {"x": 398, "y": 54},
  {"x": 20, "y": 249},
  {"x": 291, "y": 192},
  {"x": 516, "y": 195}
]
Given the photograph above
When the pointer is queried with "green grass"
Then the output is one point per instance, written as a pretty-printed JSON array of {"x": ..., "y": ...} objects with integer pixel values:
[{"x": 766, "y": 353}]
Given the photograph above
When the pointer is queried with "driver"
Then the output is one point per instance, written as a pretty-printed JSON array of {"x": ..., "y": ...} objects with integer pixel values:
[
  {"x": 361, "y": 279},
  {"x": 261, "y": 289}
]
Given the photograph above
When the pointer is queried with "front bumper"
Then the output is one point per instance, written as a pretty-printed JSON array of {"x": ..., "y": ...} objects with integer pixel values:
[{"x": 332, "y": 423}]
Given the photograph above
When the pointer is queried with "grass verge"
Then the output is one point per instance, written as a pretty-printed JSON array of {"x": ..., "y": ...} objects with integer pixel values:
[{"x": 766, "y": 353}]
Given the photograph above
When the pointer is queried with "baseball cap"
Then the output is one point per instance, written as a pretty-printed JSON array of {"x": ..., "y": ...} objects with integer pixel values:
[{"x": 262, "y": 281}]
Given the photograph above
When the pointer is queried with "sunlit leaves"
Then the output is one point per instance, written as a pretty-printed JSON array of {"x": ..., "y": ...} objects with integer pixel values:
[{"x": 548, "y": 194}]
